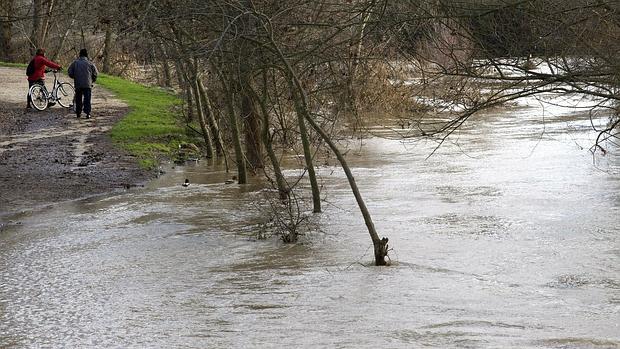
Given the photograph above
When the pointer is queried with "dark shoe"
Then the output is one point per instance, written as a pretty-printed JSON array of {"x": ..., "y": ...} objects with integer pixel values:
[
  {"x": 78, "y": 115},
  {"x": 28, "y": 106},
  {"x": 88, "y": 116}
]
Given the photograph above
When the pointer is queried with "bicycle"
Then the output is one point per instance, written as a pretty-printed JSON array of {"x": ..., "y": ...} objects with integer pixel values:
[{"x": 62, "y": 92}]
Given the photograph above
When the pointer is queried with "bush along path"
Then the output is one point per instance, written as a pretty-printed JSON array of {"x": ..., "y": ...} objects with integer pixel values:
[{"x": 52, "y": 156}]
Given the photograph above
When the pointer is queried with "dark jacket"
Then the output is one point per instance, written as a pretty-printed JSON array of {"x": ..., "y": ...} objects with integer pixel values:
[
  {"x": 83, "y": 72},
  {"x": 40, "y": 62}
]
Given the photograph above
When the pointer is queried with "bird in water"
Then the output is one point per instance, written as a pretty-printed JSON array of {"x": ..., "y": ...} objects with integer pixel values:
[
  {"x": 231, "y": 181},
  {"x": 186, "y": 184}
]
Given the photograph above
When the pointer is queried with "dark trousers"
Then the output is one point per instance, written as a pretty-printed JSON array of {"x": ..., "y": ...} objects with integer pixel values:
[
  {"x": 30, "y": 83},
  {"x": 82, "y": 100}
]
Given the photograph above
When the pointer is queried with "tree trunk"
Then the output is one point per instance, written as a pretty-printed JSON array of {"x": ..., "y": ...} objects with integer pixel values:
[
  {"x": 165, "y": 61},
  {"x": 107, "y": 46},
  {"x": 355, "y": 52},
  {"x": 251, "y": 121},
  {"x": 189, "y": 99},
  {"x": 283, "y": 189},
  {"x": 185, "y": 85},
  {"x": 302, "y": 110},
  {"x": 63, "y": 39},
  {"x": 249, "y": 114},
  {"x": 206, "y": 135},
  {"x": 213, "y": 124},
  {"x": 380, "y": 244},
  {"x": 35, "y": 38},
  {"x": 234, "y": 127},
  {"x": 45, "y": 25},
  {"x": 239, "y": 156},
  {"x": 42, "y": 12},
  {"x": 6, "y": 32}
]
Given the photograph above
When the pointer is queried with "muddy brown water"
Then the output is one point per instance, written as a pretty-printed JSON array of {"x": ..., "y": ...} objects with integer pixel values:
[{"x": 507, "y": 237}]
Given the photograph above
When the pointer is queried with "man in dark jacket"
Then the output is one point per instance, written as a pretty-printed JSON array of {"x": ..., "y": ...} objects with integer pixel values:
[
  {"x": 38, "y": 76},
  {"x": 84, "y": 73}
]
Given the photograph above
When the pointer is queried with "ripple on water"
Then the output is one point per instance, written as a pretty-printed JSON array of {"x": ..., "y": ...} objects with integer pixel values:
[
  {"x": 578, "y": 343},
  {"x": 566, "y": 281},
  {"x": 470, "y": 225},
  {"x": 473, "y": 333},
  {"x": 453, "y": 194},
  {"x": 449, "y": 339}
]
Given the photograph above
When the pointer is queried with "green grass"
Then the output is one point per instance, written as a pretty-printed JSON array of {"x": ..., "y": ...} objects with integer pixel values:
[
  {"x": 150, "y": 130},
  {"x": 14, "y": 65}
]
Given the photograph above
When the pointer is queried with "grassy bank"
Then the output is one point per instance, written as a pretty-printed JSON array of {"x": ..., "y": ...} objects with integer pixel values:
[{"x": 150, "y": 130}]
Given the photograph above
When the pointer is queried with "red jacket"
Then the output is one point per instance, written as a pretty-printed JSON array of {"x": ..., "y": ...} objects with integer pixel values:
[{"x": 40, "y": 62}]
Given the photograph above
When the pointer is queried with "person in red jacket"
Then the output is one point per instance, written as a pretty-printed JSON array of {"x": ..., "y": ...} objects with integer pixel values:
[{"x": 38, "y": 77}]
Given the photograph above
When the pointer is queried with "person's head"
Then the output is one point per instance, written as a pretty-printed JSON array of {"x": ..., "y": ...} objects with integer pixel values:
[
  {"x": 40, "y": 52},
  {"x": 83, "y": 53}
]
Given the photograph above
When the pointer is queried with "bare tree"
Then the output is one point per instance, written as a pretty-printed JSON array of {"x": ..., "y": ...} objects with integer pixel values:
[
  {"x": 7, "y": 18},
  {"x": 521, "y": 48}
]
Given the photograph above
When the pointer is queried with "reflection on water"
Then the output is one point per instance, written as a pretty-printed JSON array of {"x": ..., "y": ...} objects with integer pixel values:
[{"x": 507, "y": 237}]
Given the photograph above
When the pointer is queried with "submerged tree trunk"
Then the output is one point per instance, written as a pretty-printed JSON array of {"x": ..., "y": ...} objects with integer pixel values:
[
  {"x": 234, "y": 127},
  {"x": 249, "y": 114},
  {"x": 302, "y": 112},
  {"x": 239, "y": 156},
  {"x": 380, "y": 244},
  {"x": 283, "y": 189},
  {"x": 301, "y": 108},
  {"x": 253, "y": 148}
]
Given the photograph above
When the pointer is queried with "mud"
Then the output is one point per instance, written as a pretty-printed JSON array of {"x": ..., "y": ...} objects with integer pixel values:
[{"x": 51, "y": 156}]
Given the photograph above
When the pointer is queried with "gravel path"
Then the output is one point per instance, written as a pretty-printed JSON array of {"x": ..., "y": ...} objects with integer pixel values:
[{"x": 51, "y": 156}]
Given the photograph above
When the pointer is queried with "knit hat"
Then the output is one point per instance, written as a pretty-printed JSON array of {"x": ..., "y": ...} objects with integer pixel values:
[{"x": 83, "y": 53}]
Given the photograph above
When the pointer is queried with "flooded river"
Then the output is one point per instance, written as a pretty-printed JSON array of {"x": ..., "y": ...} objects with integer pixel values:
[{"x": 507, "y": 237}]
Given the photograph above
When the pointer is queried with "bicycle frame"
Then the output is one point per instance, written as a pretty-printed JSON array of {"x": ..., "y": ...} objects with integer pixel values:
[
  {"x": 53, "y": 96},
  {"x": 61, "y": 93}
]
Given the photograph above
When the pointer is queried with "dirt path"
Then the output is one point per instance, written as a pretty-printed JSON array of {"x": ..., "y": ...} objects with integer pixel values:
[{"x": 52, "y": 156}]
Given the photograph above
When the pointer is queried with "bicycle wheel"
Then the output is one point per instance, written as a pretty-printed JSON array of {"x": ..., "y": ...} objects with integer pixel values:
[
  {"x": 38, "y": 96},
  {"x": 65, "y": 94}
]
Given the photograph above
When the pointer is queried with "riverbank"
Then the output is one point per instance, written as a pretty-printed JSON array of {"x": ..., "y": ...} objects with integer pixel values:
[{"x": 51, "y": 156}]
